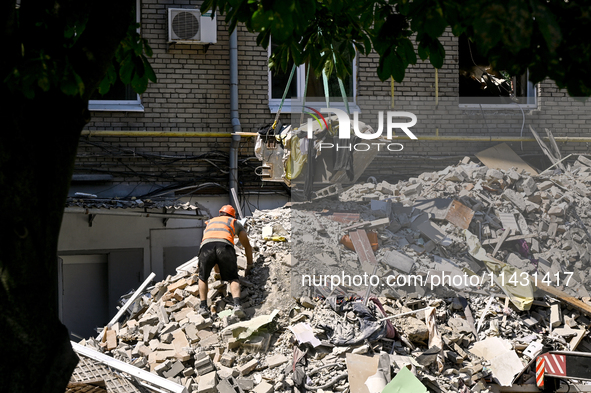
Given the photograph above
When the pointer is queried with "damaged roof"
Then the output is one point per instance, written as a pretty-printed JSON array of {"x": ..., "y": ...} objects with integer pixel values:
[{"x": 131, "y": 203}]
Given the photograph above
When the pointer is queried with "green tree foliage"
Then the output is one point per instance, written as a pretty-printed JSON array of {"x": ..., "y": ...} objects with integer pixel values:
[
  {"x": 55, "y": 64},
  {"x": 548, "y": 37}
]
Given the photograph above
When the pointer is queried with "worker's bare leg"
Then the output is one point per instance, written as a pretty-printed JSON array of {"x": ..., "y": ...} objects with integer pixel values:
[
  {"x": 235, "y": 289},
  {"x": 203, "y": 290},
  {"x": 203, "y": 297}
]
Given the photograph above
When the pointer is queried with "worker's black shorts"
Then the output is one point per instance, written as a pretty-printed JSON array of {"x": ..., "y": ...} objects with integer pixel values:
[{"x": 221, "y": 254}]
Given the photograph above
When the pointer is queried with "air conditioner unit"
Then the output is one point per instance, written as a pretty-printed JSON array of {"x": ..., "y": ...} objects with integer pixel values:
[{"x": 189, "y": 26}]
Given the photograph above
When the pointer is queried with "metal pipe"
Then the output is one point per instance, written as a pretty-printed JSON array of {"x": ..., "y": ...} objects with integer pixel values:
[
  {"x": 111, "y": 212},
  {"x": 464, "y": 138},
  {"x": 156, "y": 134},
  {"x": 234, "y": 115},
  {"x": 492, "y": 138},
  {"x": 127, "y": 304},
  {"x": 453, "y": 138}
]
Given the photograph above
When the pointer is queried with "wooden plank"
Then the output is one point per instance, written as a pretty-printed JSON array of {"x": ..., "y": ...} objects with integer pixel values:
[
  {"x": 345, "y": 218},
  {"x": 503, "y": 157},
  {"x": 570, "y": 300},
  {"x": 489, "y": 242},
  {"x": 363, "y": 247},
  {"x": 553, "y": 165},
  {"x": 501, "y": 241},
  {"x": 576, "y": 340},
  {"x": 562, "y": 296},
  {"x": 459, "y": 214},
  {"x": 546, "y": 149},
  {"x": 555, "y": 149}
]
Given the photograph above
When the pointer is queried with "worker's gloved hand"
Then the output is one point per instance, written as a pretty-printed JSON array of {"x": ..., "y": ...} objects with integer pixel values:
[{"x": 248, "y": 269}]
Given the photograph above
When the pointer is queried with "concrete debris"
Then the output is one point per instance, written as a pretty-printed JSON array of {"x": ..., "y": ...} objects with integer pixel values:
[{"x": 440, "y": 238}]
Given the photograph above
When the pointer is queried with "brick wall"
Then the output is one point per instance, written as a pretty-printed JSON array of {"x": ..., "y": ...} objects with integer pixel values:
[{"x": 193, "y": 94}]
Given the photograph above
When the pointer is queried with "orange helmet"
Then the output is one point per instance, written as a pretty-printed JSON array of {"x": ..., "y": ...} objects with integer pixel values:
[{"x": 228, "y": 209}]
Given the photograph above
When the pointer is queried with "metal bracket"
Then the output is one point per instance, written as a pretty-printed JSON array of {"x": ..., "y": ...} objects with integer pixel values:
[
  {"x": 91, "y": 219},
  {"x": 165, "y": 220}
]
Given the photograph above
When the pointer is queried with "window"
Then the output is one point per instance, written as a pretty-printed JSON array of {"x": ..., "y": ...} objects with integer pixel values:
[
  {"x": 315, "y": 96},
  {"x": 120, "y": 97},
  {"x": 482, "y": 86}
]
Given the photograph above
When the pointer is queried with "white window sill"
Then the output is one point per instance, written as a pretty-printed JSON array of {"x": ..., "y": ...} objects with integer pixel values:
[
  {"x": 488, "y": 107},
  {"x": 288, "y": 108},
  {"x": 98, "y": 106}
]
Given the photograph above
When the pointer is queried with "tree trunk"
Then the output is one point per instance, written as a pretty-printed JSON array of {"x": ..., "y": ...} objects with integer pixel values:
[
  {"x": 38, "y": 144},
  {"x": 37, "y": 153}
]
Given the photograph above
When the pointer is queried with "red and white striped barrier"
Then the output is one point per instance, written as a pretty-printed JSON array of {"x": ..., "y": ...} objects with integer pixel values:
[
  {"x": 551, "y": 365},
  {"x": 540, "y": 368}
]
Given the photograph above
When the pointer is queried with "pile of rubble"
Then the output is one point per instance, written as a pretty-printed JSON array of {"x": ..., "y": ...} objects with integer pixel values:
[
  {"x": 543, "y": 219},
  {"x": 306, "y": 330}
]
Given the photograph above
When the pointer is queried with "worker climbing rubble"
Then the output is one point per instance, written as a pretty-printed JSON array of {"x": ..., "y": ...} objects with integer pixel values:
[
  {"x": 313, "y": 327},
  {"x": 217, "y": 250}
]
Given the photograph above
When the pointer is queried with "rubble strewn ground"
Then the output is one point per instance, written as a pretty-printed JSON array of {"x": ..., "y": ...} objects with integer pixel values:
[{"x": 448, "y": 338}]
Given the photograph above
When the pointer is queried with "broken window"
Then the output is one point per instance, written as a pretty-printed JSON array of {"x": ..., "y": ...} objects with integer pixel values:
[
  {"x": 315, "y": 96},
  {"x": 480, "y": 84}
]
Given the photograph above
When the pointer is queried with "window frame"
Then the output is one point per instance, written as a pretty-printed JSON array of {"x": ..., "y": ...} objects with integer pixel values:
[
  {"x": 532, "y": 94},
  {"x": 530, "y": 100},
  {"x": 274, "y": 103},
  {"x": 120, "y": 105}
]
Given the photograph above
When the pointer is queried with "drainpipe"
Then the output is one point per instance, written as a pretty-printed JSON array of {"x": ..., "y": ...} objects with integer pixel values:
[{"x": 234, "y": 115}]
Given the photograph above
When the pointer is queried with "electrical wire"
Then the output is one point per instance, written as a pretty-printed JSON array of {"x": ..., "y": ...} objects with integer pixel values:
[
  {"x": 484, "y": 72},
  {"x": 484, "y": 118},
  {"x": 168, "y": 170},
  {"x": 158, "y": 160},
  {"x": 163, "y": 162},
  {"x": 522, "y": 122},
  {"x": 195, "y": 188},
  {"x": 121, "y": 151}
]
